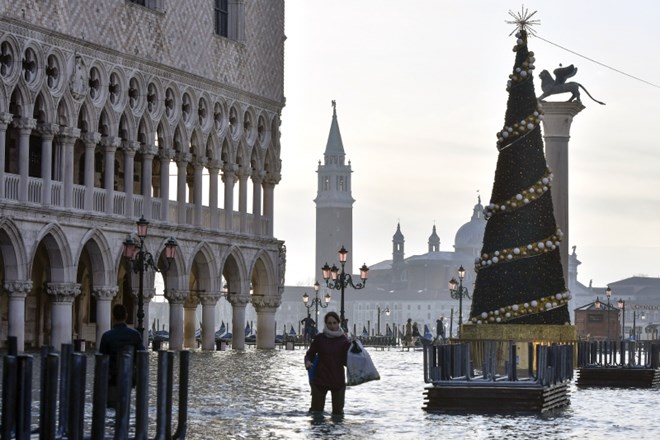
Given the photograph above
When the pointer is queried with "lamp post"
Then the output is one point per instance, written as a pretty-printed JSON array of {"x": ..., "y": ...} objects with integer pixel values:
[
  {"x": 608, "y": 292},
  {"x": 141, "y": 260},
  {"x": 642, "y": 316},
  {"x": 459, "y": 292},
  {"x": 316, "y": 302},
  {"x": 341, "y": 280},
  {"x": 387, "y": 313},
  {"x": 622, "y": 307}
]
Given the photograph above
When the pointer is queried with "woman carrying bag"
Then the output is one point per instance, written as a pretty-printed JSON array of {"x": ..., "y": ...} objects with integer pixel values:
[{"x": 332, "y": 346}]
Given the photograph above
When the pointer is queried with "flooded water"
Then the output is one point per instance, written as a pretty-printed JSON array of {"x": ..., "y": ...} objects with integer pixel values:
[
  {"x": 265, "y": 394},
  {"x": 255, "y": 394}
]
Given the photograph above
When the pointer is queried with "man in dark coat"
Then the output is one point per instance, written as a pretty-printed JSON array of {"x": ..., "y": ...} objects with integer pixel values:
[{"x": 116, "y": 340}]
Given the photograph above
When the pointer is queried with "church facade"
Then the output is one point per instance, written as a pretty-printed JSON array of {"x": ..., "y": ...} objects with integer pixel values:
[{"x": 113, "y": 111}]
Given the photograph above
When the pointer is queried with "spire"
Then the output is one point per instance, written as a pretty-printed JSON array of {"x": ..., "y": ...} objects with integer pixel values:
[
  {"x": 519, "y": 272},
  {"x": 434, "y": 241},
  {"x": 334, "y": 149},
  {"x": 398, "y": 246}
]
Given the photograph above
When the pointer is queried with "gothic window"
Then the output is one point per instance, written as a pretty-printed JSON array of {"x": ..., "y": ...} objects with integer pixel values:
[
  {"x": 326, "y": 183},
  {"x": 149, "y": 4},
  {"x": 228, "y": 17},
  {"x": 340, "y": 184},
  {"x": 222, "y": 18}
]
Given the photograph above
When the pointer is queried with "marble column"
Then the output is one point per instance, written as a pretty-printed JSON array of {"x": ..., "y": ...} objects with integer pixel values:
[
  {"x": 208, "y": 300},
  {"x": 198, "y": 166},
  {"x": 62, "y": 296},
  {"x": 266, "y": 306},
  {"x": 104, "y": 296},
  {"x": 176, "y": 298},
  {"x": 25, "y": 127},
  {"x": 228, "y": 177},
  {"x": 148, "y": 153},
  {"x": 214, "y": 168},
  {"x": 5, "y": 120},
  {"x": 110, "y": 145},
  {"x": 238, "y": 303},
  {"x": 182, "y": 208},
  {"x": 269, "y": 204},
  {"x": 557, "y": 119},
  {"x": 90, "y": 139},
  {"x": 47, "y": 132},
  {"x": 68, "y": 136},
  {"x": 242, "y": 200},
  {"x": 130, "y": 148},
  {"x": 17, "y": 291},
  {"x": 257, "y": 179},
  {"x": 166, "y": 156},
  {"x": 189, "y": 320}
]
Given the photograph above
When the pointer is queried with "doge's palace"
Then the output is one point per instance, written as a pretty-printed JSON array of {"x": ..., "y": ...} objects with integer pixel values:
[{"x": 120, "y": 109}]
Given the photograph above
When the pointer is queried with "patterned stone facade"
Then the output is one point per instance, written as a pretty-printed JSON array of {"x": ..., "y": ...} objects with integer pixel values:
[{"x": 101, "y": 104}]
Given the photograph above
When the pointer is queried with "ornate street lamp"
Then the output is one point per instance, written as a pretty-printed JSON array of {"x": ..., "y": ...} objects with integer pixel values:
[
  {"x": 316, "y": 302},
  {"x": 457, "y": 291},
  {"x": 387, "y": 313},
  {"x": 341, "y": 280},
  {"x": 622, "y": 306},
  {"x": 141, "y": 260}
]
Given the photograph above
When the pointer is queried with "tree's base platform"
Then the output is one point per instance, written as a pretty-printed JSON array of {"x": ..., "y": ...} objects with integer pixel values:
[
  {"x": 618, "y": 377},
  {"x": 518, "y": 332},
  {"x": 496, "y": 397}
]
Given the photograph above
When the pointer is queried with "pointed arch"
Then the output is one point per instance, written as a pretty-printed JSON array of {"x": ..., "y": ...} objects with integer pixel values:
[{"x": 12, "y": 250}]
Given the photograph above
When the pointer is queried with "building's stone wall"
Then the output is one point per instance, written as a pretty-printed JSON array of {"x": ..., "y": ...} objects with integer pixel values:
[{"x": 183, "y": 40}]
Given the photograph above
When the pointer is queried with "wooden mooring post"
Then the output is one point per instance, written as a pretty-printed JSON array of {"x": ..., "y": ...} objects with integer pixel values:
[{"x": 62, "y": 409}]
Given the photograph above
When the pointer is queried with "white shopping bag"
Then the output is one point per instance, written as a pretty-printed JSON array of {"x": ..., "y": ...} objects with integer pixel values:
[{"x": 359, "y": 366}]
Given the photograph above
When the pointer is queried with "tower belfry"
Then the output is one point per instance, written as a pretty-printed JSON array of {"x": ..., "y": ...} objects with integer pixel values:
[{"x": 334, "y": 202}]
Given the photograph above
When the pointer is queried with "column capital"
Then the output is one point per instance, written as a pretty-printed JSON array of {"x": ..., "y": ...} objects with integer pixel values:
[
  {"x": 18, "y": 288},
  {"x": 63, "y": 292},
  {"x": 148, "y": 293},
  {"x": 176, "y": 296},
  {"x": 91, "y": 138},
  {"x": 25, "y": 125},
  {"x": 183, "y": 158},
  {"x": 265, "y": 303},
  {"x": 69, "y": 133},
  {"x": 149, "y": 150},
  {"x": 48, "y": 131},
  {"x": 214, "y": 165},
  {"x": 5, "y": 119},
  {"x": 104, "y": 293},
  {"x": 236, "y": 299},
  {"x": 167, "y": 153},
  {"x": 191, "y": 301},
  {"x": 110, "y": 143},
  {"x": 209, "y": 298}
]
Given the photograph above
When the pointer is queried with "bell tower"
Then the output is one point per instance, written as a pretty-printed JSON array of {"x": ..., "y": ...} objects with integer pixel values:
[{"x": 334, "y": 203}]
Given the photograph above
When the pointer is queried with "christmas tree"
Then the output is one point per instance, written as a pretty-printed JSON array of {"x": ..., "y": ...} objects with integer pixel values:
[{"x": 519, "y": 272}]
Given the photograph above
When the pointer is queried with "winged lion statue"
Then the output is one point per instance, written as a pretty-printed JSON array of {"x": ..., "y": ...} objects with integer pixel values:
[{"x": 557, "y": 85}]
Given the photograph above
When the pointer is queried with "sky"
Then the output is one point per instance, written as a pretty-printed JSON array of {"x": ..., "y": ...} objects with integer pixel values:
[{"x": 420, "y": 87}]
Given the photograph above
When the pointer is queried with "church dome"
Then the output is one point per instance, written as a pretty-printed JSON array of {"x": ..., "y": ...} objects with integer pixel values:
[{"x": 471, "y": 234}]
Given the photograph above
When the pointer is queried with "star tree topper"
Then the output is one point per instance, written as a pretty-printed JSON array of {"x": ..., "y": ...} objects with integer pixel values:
[{"x": 523, "y": 21}]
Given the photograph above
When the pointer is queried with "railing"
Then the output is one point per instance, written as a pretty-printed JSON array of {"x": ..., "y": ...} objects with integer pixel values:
[
  {"x": 99, "y": 195},
  {"x": 642, "y": 354},
  {"x": 546, "y": 364}
]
